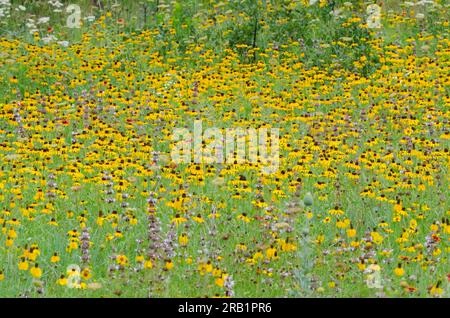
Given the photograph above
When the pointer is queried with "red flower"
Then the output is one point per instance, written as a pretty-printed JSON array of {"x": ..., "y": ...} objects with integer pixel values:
[
  {"x": 411, "y": 289},
  {"x": 435, "y": 237}
]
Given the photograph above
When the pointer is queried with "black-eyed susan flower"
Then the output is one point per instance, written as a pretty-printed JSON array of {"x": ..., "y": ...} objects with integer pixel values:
[
  {"x": 23, "y": 265},
  {"x": 399, "y": 271},
  {"x": 35, "y": 271},
  {"x": 169, "y": 264},
  {"x": 55, "y": 258},
  {"x": 122, "y": 260},
  {"x": 62, "y": 280}
]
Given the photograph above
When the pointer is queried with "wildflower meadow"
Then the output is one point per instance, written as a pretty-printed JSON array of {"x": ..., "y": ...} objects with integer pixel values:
[{"x": 242, "y": 148}]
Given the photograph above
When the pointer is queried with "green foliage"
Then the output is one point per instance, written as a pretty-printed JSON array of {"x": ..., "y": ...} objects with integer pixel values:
[{"x": 331, "y": 33}]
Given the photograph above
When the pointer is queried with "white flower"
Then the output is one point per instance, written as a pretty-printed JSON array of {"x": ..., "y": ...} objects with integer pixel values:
[
  {"x": 43, "y": 20},
  {"x": 55, "y": 3},
  {"x": 49, "y": 38},
  {"x": 63, "y": 43},
  {"x": 89, "y": 18},
  {"x": 420, "y": 16},
  {"x": 424, "y": 2},
  {"x": 21, "y": 8},
  {"x": 5, "y": 2}
]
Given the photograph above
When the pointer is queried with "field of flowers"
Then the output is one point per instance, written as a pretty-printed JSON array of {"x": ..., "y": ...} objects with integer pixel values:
[{"x": 92, "y": 203}]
